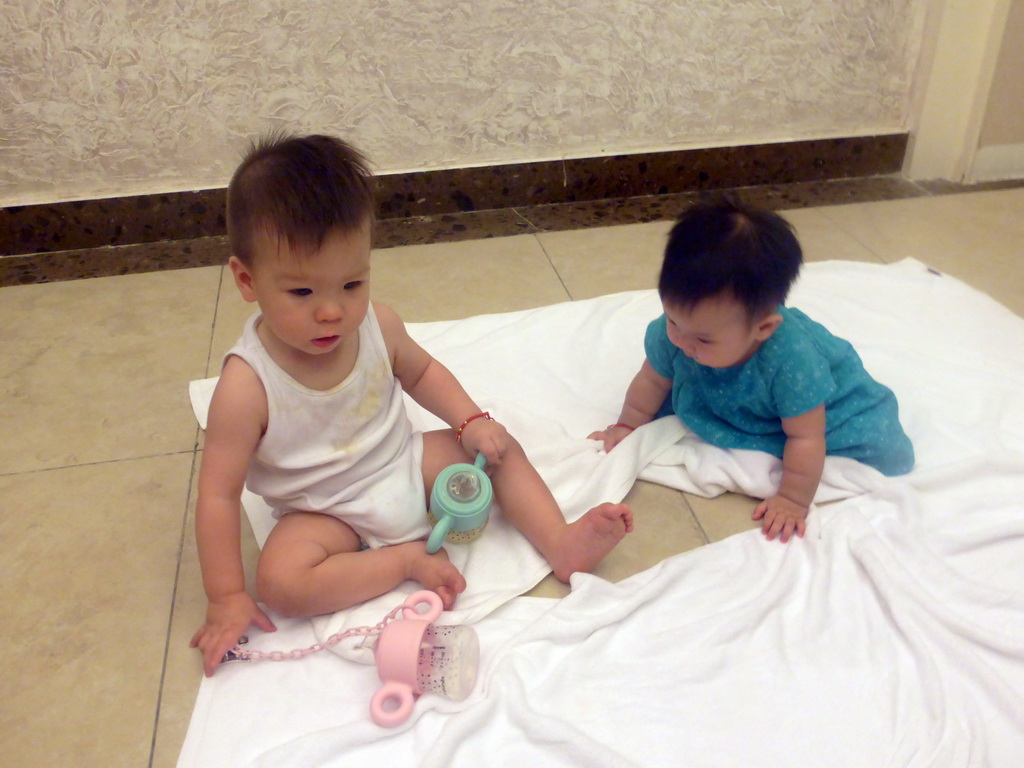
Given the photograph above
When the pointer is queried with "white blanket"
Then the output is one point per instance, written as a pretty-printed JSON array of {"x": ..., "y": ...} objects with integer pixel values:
[{"x": 891, "y": 635}]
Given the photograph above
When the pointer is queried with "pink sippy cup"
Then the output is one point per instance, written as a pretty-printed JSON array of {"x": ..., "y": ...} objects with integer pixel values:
[{"x": 414, "y": 656}]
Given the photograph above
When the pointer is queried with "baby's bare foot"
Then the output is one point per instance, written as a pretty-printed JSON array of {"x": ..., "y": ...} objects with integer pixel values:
[
  {"x": 585, "y": 542},
  {"x": 435, "y": 572}
]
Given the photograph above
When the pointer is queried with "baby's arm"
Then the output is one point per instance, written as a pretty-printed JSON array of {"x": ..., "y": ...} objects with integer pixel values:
[
  {"x": 433, "y": 386},
  {"x": 803, "y": 460},
  {"x": 235, "y": 424},
  {"x": 644, "y": 397}
]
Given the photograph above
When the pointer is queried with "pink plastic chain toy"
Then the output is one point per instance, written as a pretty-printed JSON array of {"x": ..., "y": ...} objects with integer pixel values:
[{"x": 414, "y": 656}]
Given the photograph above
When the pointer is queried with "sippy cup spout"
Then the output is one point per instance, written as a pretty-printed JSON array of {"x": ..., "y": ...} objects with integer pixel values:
[
  {"x": 464, "y": 486},
  {"x": 467, "y": 485}
]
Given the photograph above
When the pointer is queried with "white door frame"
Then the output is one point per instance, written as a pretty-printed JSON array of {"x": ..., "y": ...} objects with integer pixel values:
[{"x": 952, "y": 83}]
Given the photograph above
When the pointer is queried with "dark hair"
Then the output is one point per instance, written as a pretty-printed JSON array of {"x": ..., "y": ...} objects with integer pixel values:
[
  {"x": 722, "y": 245},
  {"x": 299, "y": 189}
]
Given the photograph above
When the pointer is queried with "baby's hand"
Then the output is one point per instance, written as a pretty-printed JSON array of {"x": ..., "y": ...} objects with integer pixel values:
[
  {"x": 779, "y": 515},
  {"x": 227, "y": 619},
  {"x": 435, "y": 573},
  {"x": 487, "y": 437},
  {"x": 611, "y": 436}
]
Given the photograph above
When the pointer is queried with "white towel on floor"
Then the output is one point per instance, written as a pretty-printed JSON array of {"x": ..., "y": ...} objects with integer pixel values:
[
  {"x": 895, "y": 636},
  {"x": 895, "y": 617}
]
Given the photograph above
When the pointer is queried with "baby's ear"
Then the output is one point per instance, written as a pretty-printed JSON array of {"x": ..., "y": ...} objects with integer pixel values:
[
  {"x": 766, "y": 326},
  {"x": 243, "y": 278}
]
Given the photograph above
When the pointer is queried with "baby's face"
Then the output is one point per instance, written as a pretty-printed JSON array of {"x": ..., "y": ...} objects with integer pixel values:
[
  {"x": 312, "y": 302},
  {"x": 716, "y": 332}
]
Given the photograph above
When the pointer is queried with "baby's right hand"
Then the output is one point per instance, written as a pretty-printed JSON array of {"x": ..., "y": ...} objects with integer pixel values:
[
  {"x": 227, "y": 619},
  {"x": 436, "y": 573},
  {"x": 610, "y": 436},
  {"x": 488, "y": 437}
]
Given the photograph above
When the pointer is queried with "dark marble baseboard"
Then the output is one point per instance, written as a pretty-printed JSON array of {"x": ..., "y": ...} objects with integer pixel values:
[
  {"x": 84, "y": 224},
  {"x": 205, "y": 249}
]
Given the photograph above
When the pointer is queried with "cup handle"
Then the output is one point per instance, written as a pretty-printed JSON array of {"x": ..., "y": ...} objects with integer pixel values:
[
  {"x": 480, "y": 462},
  {"x": 437, "y": 535},
  {"x": 431, "y": 598},
  {"x": 391, "y": 691}
]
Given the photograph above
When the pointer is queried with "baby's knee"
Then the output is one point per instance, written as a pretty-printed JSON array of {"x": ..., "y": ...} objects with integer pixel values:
[{"x": 279, "y": 588}]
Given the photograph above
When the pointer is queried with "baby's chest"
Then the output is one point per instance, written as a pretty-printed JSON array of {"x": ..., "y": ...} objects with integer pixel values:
[
  {"x": 732, "y": 395},
  {"x": 328, "y": 372}
]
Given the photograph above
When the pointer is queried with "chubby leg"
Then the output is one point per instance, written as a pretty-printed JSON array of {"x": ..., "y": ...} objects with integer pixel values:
[
  {"x": 312, "y": 564},
  {"x": 528, "y": 504}
]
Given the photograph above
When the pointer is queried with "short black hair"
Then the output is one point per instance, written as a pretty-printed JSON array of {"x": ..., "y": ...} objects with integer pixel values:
[
  {"x": 721, "y": 245},
  {"x": 298, "y": 189}
]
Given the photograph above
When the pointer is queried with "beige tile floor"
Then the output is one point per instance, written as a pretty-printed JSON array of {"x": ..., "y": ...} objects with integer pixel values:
[{"x": 101, "y": 588}]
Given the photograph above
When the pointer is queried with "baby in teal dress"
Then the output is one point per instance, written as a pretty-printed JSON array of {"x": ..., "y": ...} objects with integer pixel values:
[{"x": 743, "y": 371}]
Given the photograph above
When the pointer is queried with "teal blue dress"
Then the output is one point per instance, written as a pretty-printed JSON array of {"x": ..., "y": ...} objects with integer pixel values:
[{"x": 799, "y": 367}]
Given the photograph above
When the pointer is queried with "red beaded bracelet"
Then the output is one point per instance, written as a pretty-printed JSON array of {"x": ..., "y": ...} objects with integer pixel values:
[
  {"x": 620, "y": 424},
  {"x": 484, "y": 415}
]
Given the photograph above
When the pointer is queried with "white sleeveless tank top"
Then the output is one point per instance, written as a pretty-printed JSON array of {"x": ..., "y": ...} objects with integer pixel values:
[{"x": 349, "y": 452}]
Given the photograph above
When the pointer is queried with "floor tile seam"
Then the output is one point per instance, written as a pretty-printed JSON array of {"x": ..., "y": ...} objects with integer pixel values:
[
  {"x": 518, "y": 211},
  {"x": 171, "y": 611},
  {"x": 213, "y": 321},
  {"x": 551, "y": 263},
  {"x": 18, "y": 473},
  {"x": 694, "y": 517},
  {"x": 925, "y": 192},
  {"x": 853, "y": 236}
]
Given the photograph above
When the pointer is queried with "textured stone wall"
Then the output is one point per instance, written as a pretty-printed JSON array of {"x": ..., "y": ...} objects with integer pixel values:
[{"x": 136, "y": 96}]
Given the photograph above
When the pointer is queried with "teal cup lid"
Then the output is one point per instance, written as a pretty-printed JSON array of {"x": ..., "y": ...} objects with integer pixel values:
[{"x": 460, "y": 500}]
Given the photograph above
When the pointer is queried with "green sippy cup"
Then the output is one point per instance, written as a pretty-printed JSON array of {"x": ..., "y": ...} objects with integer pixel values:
[{"x": 460, "y": 504}]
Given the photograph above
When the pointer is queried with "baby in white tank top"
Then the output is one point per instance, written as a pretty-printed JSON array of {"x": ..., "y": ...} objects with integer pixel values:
[
  {"x": 364, "y": 469},
  {"x": 308, "y": 412}
]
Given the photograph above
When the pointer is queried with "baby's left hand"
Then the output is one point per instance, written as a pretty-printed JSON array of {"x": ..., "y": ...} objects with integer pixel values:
[
  {"x": 487, "y": 437},
  {"x": 779, "y": 515}
]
